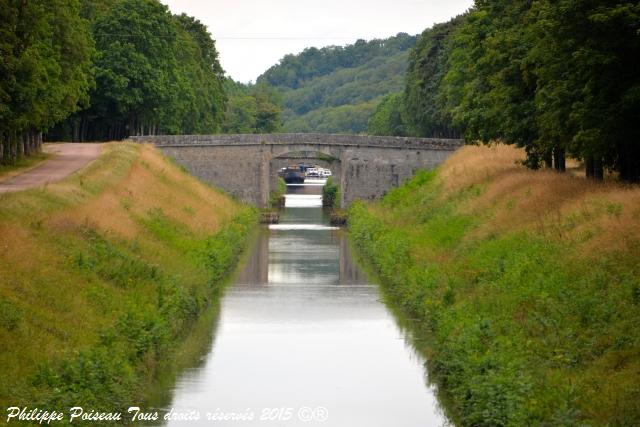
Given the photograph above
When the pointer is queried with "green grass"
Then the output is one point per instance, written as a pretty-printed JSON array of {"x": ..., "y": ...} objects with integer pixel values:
[
  {"x": 88, "y": 312},
  {"x": 522, "y": 328},
  {"x": 276, "y": 198},
  {"x": 331, "y": 194}
]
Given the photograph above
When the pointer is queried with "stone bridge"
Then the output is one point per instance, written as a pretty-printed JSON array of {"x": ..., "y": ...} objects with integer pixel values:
[{"x": 246, "y": 165}]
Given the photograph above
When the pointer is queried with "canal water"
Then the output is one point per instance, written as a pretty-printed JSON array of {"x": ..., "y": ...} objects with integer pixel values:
[{"x": 303, "y": 339}]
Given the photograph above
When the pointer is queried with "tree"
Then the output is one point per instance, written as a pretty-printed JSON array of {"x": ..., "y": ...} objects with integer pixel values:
[
  {"x": 252, "y": 108},
  {"x": 45, "y": 70},
  {"x": 426, "y": 114},
  {"x": 204, "y": 78},
  {"x": 268, "y": 115},
  {"x": 554, "y": 77},
  {"x": 388, "y": 117},
  {"x": 337, "y": 88},
  {"x": 154, "y": 73},
  {"x": 588, "y": 94},
  {"x": 489, "y": 88}
]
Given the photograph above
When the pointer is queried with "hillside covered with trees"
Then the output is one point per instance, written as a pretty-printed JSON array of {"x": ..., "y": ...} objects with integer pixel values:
[
  {"x": 336, "y": 89},
  {"x": 559, "y": 78}
]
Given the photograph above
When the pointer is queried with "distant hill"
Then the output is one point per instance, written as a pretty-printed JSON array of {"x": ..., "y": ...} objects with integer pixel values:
[{"x": 336, "y": 89}]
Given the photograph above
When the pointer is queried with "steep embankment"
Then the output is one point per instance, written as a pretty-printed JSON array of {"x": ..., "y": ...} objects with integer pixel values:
[
  {"x": 102, "y": 273},
  {"x": 527, "y": 285}
]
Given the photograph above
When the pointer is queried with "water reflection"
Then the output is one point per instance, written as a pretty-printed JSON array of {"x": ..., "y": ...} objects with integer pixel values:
[{"x": 302, "y": 327}]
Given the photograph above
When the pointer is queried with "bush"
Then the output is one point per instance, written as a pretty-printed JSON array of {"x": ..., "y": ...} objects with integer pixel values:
[{"x": 330, "y": 194}]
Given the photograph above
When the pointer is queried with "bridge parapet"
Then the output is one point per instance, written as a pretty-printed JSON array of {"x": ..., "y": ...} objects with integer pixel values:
[{"x": 303, "y": 138}]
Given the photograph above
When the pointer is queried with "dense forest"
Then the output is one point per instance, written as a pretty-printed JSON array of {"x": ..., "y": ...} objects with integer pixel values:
[
  {"x": 95, "y": 70},
  {"x": 153, "y": 72},
  {"x": 252, "y": 108},
  {"x": 557, "y": 78},
  {"x": 45, "y": 71},
  {"x": 336, "y": 89}
]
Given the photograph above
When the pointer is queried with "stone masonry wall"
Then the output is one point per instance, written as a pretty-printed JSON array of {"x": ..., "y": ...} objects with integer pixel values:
[{"x": 245, "y": 165}]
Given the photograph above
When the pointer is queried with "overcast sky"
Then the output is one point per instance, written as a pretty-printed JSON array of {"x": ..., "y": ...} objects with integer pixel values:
[{"x": 252, "y": 35}]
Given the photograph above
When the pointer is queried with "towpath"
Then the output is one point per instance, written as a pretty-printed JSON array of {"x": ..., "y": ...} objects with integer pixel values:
[{"x": 67, "y": 158}]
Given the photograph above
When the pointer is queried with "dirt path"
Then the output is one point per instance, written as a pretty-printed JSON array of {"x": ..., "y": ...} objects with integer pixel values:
[{"x": 67, "y": 159}]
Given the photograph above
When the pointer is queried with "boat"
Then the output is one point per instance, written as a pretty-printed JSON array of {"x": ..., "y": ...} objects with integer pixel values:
[{"x": 293, "y": 176}]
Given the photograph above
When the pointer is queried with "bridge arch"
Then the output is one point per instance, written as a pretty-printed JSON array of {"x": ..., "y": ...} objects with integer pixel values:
[{"x": 327, "y": 158}]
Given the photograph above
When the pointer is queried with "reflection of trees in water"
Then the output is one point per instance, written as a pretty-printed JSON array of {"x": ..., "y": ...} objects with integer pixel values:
[
  {"x": 255, "y": 268},
  {"x": 350, "y": 271},
  {"x": 190, "y": 357}
]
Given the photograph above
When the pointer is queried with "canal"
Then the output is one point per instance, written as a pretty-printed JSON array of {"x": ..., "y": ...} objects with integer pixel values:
[{"x": 303, "y": 338}]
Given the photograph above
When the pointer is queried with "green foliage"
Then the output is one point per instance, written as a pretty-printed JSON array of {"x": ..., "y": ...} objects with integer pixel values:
[
  {"x": 489, "y": 86},
  {"x": 341, "y": 119},
  {"x": 154, "y": 73},
  {"x": 519, "y": 326},
  {"x": 276, "y": 198},
  {"x": 336, "y": 89},
  {"x": 588, "y": 94},
  {"x": 252, "y": 109},
  {"x": 553, "y": 77},
  {"x": 110, "y": 374},
  {"x": 294, "y": 71},
  {"x": 426, "y": 114},
  {"x": 112, "y": 263},
  {"x": 43, "y": 78},
  {"x": 331, "y": 194},
  {"x": 388, "y": 118}
]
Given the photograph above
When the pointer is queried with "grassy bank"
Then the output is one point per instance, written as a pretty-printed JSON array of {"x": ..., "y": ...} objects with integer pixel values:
[
  {"x": 527, "y": 285},
  {"x": 104, "y": 273}
]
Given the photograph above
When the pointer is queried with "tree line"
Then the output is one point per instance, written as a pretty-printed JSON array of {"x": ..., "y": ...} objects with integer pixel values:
[
  {"x": 102, "y": 70},
  {"x": 556, "y": 77},
  {"x": 45, "y": 70},
  {"x": 153, "y": 72}
]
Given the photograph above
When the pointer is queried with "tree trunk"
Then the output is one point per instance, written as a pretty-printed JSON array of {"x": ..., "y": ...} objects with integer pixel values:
[
  {"x": 588, "y": 163},
  {"x": 38, "y": 146},
  {"x": 559, "y": 160},
  {"x": 598, "y": 170},
  {"x": 594, "y": 168},
  {"x": 76, "y": 130},
  {"x": 629, "y": 162},
  {"x": 2, "y": 143},
  {"x": 548, "y": 159}
]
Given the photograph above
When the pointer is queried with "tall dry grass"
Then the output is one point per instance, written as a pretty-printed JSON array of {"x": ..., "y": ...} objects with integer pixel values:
[
  {"x": 59, "y": 291},
  {"x": 153, "y": 182},
  {"x": 525, "y": 284},
  {"x": 603, "y": 216}
]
